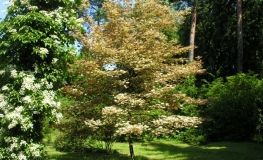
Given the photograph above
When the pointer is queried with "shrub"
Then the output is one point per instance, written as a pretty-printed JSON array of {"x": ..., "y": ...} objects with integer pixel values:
[
  {"x": 193, "y": 136},
  {"x": 234, "y": 107}
]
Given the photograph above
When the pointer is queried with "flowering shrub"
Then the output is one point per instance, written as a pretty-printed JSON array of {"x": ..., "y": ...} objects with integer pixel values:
[
  {"x": 35, "y": 50},
  {"x": 22, "y": 101}
]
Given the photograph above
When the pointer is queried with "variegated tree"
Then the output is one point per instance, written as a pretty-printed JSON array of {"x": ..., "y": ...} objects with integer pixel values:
[{"x": 139, "y": 67}]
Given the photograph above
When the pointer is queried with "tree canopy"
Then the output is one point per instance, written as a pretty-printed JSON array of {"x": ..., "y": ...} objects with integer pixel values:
[{"x": 146, "y": 66}]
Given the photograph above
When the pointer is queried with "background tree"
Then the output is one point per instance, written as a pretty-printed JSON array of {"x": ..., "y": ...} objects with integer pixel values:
[
  {"x": 192, "y": 32},
  {"x": 239, "y": 37},
  {"x": 132, "y": 54},
  {"x": 217, "y": 30},
  {"x": 182, "y": 4}
]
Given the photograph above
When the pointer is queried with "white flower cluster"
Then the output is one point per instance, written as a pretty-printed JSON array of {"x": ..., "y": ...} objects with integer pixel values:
[
  {"x": 110, "y": 117},
  {"x": 43, "y": 51},
  {"x": 48, "y": 99},
  {"x": 29, "y": 84},
  {"x": 130, "y": 129},
  {"x": 170, "y": 124},
  {"x": 27, "y": 99},
  {"x": 13, "y": 73},
  {"x": 112, "y": 111},
  {"x": 32, "y": 7},
  {"x": 3, "y": 103},
  {"x": 158, "y": 92},
  {"x": 35, "y": 150},
  {"x": 129, "y": 100},
  {"x": 35, "y": 96},
  {"x": 5, "y": 88},
  {"x": 54, "y": 36},
  {"x": 93, "y": 124},
  {"x": 12, "y": 31},
  {"x": 15, "y": 145},
  {"x": 17, "y": 117},
  {"x": 24, "y": 2},
  {"x": 59, "y": 15},
  {"x": 159, "y": 106},
  {"x": 54, "y": 60},
  {"x": 2, "y": 71}
]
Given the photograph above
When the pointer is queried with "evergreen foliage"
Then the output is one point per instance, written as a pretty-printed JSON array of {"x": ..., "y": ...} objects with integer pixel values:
[
  {"x": 235, "y": 107},
  {"x": 216, "y": 36}
]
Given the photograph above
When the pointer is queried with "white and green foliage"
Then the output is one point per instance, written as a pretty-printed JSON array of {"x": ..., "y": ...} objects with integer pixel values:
[
  {"x": 35, "y": 49},
  {"x": 31, "y": 35},
  {"x": 24, "y": 101}
]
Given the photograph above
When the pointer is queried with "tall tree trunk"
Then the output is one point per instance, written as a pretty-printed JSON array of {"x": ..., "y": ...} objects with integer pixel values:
[
  {"x": 192, "y": 33},
  {"x": 131, "y": 148},
  {"x": 239, "y": 37}
]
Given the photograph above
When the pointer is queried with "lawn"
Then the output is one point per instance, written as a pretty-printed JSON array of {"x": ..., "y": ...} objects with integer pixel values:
[{"x": 171, "y": 150}]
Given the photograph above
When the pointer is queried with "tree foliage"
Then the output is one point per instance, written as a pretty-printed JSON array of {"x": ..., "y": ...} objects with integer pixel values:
[{"x": 131, "y": 60}]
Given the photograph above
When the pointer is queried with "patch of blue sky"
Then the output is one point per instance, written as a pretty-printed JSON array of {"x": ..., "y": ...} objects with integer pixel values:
[{"x": 3, "y": 9}]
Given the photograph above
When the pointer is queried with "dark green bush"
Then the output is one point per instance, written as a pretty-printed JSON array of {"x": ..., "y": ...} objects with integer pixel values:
[
  {"x": 189, "y": 88},
  {"x": 234, "y": 107},
  {"x": 193, "y": 136}
]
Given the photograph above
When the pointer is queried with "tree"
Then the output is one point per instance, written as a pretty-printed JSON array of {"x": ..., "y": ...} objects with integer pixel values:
[
  {"x": 139, "y": 67},
  {"x": 217, "y": 30},
  {"x": 239, "y": 37},
  {"x": 192, "y": 33},
  {"x": 182, "y": 4},
  {"x": 35, "y": 52}
]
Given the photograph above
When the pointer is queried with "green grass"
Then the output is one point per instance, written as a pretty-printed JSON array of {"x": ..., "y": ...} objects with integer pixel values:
[
  {"x": 171, "y": 150},
  {"x": 55, "y": 155}
]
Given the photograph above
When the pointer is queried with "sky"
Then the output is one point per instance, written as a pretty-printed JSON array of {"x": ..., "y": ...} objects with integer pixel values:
[{"x": 2, "y": 7}]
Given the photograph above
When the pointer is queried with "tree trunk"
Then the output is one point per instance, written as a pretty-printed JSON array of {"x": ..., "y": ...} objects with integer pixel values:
[
  {"x": 239, "y": 37},
  {"x": 131, "y": 148},
  {"x": 192, "y": 33}
]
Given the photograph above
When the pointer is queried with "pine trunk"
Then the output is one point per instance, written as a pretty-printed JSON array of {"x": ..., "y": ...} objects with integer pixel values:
[
  {"x": 192, "y": 34},
  {"x": 239, "y": 37}
]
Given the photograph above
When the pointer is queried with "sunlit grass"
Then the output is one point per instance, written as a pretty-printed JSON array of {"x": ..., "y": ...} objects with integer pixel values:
[{"x": 171, "y": 150}]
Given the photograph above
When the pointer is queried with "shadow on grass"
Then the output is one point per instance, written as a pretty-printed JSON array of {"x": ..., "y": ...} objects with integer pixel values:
[
  {"x": 75, "y": 156},
  {"x": 171, "y": 150},
  {"x": 92, "y": 156},
  {"x": 215, "y": 151}
]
